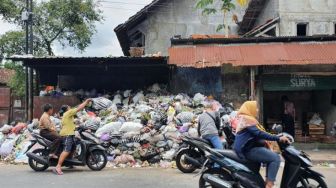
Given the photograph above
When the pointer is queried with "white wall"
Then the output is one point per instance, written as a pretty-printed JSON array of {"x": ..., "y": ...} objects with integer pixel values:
[
  {"x": 180, "y": 17},
  {"x": 319, "y": 14}
]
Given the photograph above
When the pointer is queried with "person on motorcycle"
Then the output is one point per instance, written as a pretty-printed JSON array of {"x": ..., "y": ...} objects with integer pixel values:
[
  {"x": 251, "y": 140},
  {"x": 209, "y": 125},
  {"x": 48, "y": 129},
  {"x": 68, "y": 133}
]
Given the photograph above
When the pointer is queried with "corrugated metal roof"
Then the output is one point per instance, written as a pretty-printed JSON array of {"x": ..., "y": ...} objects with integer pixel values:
[{"x": 297, "y": 53}]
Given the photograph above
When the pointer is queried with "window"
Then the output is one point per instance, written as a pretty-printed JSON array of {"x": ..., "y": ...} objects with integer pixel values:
[
  {"x": 335, "y": 29},
  {"x": 137, "y": 39},
  {"x": 302, "y": 29}
]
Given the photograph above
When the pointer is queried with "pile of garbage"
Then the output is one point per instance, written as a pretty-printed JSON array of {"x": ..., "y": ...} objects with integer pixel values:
[{"x": 144, "y": 127}]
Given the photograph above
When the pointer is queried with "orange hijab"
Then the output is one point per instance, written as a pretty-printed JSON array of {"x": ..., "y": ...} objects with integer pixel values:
[{"x": 247, "y": 116}]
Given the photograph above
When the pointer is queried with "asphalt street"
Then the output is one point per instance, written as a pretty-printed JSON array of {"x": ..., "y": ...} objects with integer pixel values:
[{"x": 22, "y": 176}]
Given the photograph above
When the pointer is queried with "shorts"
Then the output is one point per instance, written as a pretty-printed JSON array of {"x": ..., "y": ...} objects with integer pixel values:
[{"x": 68, "y": 143}]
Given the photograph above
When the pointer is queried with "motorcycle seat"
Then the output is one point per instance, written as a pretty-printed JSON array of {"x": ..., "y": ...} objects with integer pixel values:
[
  {"x": 203, "y": 140},
  {"x": 233, "y": 155},
  {"x": 46, "y": 141}
]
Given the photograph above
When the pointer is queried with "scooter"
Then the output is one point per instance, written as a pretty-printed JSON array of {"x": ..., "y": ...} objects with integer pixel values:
[
  {"x": 189, "y": 157},
  {"x": 235, "y": 172},
  {"x": 88, "y": 152}
]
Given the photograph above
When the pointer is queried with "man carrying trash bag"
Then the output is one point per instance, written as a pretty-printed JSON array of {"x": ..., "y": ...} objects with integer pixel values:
[{"x": 68, "y": 133}]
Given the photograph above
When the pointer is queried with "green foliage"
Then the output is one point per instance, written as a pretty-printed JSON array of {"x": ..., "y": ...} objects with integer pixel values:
[
  {"x": 69, "y": 22},
  {"x": 220, "y": 27},
  {"x": 210, "y": 7},
  {"x": 17, "y": 82},
  {"x": 13, "y": 43}
]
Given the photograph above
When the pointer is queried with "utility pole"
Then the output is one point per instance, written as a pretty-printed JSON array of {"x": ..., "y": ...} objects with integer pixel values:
[
  {"x": 27, "y": 17},
  {"x": 30, "y": 70}
]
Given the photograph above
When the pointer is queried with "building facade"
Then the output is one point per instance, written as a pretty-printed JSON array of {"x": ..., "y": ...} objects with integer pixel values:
[{"x": 154, "y": 25}]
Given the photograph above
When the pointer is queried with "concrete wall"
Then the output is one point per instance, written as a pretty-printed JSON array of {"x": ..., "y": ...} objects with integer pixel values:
[
  {"x": 192, "y": 80},
  {"x": 270, "y": 11},
  {"x": 319, "y": 14},
  {"x": 180, "y": 17}
]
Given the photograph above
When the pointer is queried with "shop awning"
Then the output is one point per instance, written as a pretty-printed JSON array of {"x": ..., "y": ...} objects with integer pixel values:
[{"x": 254, "y": 51}]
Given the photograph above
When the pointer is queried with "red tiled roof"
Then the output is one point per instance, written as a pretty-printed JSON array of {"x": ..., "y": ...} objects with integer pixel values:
[
  {"x": 296, "y": 53},
  {"x": 6, "y": 75}
]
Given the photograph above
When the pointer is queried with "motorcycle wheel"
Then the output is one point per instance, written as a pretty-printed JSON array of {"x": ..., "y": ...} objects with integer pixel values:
[
  {"x": 96, "y": 160},
  {"x": 34, "y": 164},
  {"x": 216, "y": 172},
  {"x": 182, "y": 164},
  {"x": 309, "y": 181}
]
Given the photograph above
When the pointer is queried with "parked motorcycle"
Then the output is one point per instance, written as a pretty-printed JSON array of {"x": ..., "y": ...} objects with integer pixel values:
[
  {"x": 89, "y": 153},
  {"x": 235, "y": 172},
  {"x": 189, "y": 157}
]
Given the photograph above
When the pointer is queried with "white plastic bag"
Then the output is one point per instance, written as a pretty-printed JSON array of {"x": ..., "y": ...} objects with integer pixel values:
[
  {"x": 131, "y": 127},
  {"x": 7, "y": 147},
  {"x": 101, "y": 103},
  {"x": 110, "y": 127},
  {"x": 138, "y": 97}
]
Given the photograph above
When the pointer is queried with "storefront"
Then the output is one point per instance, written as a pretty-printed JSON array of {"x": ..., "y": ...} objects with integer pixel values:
[{"x": 313, "y": 92}]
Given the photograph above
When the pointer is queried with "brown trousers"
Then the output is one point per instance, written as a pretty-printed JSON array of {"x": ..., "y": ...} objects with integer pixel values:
[{"x": 54, "y": 137}]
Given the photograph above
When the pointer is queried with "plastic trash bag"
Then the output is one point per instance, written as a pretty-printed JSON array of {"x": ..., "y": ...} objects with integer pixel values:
[
  {"x": 154, "y": 88},
  {"x": 7, "y": 147},
  {"x": 108, "y": 128},
  {"x": 131, "y": 127},
  {"x": 138, "y": 97},
  {"x": 101, "y": 103},
  {"x": 184, "y": 117},
  {"x": 198, "y": 98},
  {"x": 169, "y": 155},
  {"x": 92, "y": 123},
  {"x": 124, "y": 159},
  {"x": 18, "y": 128},
  {"x": 6, "y": 129}
]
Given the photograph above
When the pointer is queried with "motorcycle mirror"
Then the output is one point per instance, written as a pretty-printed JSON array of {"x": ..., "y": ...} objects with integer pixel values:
[{"x": 277, "y": 128}]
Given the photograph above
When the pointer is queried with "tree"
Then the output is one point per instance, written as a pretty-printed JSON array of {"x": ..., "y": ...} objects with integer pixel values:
[
  {"x": 13, "y": 43},
  {"x": 226, "y": 6},
  {"x": 70, "y": 22}
]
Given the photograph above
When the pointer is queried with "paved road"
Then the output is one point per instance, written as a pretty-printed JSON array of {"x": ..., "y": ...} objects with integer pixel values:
[{"x": 23, "y": 176}]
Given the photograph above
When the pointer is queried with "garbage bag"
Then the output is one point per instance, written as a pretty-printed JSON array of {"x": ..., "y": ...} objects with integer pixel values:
[
  {"x": 117, "y": 99},
  {"x": 101, "y": 103},
  {"x": 6, "y": 129},
  {"x": 154, "y": 88},
  {"x": 108, "y": 128},
  {"x": 127, "y": 93},
  {"x": 138, "y": 97},
  {"x": 193, "y": 132},
  {"x": 184, "y": 117},
  {"x": 169, "y": 155},
  {"x": 142, "y": 108},
  {"x": 198, "y": 98},
  {"x": 18, "y": 128},
  {"x": 131, "y": 127},
  {"x": 124, "y": 159},
  {"x": 7, "y": 147},
  {"x": 92, "y": 123}
]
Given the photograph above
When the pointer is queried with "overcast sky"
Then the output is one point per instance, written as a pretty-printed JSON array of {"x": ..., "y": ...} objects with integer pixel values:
[{"x": 104, "y": 42}]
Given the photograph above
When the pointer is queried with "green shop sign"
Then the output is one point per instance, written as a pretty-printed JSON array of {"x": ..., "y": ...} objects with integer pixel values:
[{"x": 298, "y": 82}]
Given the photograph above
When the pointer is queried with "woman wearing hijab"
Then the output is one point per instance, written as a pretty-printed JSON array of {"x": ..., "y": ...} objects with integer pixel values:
[{"x": 251, "y": 140}]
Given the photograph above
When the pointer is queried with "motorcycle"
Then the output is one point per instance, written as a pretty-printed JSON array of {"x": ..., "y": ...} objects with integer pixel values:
[
  {"x": 235, "y": 172},
  {"x": 88, "y": 152},
  {"x": 189, "y": 157}
]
